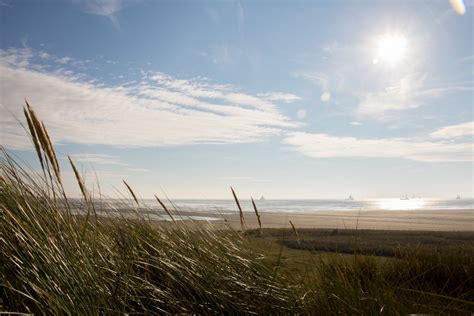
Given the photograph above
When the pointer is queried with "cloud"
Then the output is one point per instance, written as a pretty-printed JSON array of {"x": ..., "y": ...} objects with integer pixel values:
[
  {"x": 333, "y": 79},
  {"x": 355, "y": 123},
  {"x": 20, "y": 57},
  {"x": 63, "y": 60},
  {"x": 6, "y": 3},
  {"x": 98, "y": 159},
  {"x": 189, "y": 90},
  {"x": 279, "y": 96},
  {"x": 318, "y": 78},
  {"x": 325, "y": 146},
  {"x": 455, "y": 131},
  {"x": 44, "y": 55},
  {"x": 410, "y": 92},
  {"x": 158, "y": 112},
  {"x": 106, "y": 8}
]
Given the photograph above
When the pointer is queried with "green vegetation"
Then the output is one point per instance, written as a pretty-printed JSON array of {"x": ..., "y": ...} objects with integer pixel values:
[
  {"x": 376, "y": 272},
  {"x": 54, "y": 261}
]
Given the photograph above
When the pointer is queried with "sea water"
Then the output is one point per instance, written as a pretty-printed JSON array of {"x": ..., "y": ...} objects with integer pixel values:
[{"x": 310, "y": 206}]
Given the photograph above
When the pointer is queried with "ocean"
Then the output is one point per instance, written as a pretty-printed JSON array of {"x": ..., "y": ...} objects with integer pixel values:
[{"x": 310, "y": 206}]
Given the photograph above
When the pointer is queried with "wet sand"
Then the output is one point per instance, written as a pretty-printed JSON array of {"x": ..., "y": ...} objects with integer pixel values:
[{"x": 427, "y": 220}]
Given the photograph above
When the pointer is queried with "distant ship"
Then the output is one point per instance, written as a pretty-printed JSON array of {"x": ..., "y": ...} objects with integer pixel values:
[
  {"x": 458, "y": 197},
  {"x": 405, "y": 198},
  {"x": 350, "y": 198},
  {"x": 262, "y": 198}
]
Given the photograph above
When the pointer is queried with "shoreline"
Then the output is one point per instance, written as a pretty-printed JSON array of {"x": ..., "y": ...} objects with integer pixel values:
[{"x": 422, "y": 220}]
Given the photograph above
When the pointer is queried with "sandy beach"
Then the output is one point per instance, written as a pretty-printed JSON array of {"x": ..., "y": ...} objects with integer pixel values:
[{"x": 427, "y": 220}]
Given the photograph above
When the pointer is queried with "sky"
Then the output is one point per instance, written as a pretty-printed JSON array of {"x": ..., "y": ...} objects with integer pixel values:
[{"x": 285, "y": 99}]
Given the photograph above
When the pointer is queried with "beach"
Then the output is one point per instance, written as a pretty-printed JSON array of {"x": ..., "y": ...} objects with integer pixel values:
[{"x": 420, "y": 220}]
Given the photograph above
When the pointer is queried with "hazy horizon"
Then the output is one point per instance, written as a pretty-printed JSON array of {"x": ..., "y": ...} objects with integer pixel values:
[{"x": 287, "y": 100}]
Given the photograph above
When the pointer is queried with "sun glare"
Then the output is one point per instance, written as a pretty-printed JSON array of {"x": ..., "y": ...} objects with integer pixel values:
[
  {"x": 391, "y": 49},
  {"x": 401, "y": 204}
]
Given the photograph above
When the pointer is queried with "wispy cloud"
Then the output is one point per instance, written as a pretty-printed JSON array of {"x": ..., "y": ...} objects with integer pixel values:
[
  {"x": 160, "y": 110},
  {"x": 189, "y": 91},
  {"x": 62, "y": 60},
  {"x": 455, "y": 131},
  {"x": 318, "y": 78},
  {"x": 106, "y": 8},
  {"x": 20, "y": 57},
  {"x": 328, "y": 83},
  {"x": 279, "y": 96},
  {"x": 6, "y": 3},
  {"x": 325, "y": 146},
  {"x": 410, "y": 92},
  {"x": 98, "y": 159}
]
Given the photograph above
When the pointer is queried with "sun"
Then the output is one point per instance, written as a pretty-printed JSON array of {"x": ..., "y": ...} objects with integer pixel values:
[{"x": 390, "y": 49}]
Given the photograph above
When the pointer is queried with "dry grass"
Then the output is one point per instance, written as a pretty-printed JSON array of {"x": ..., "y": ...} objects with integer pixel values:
[
  {"x": 55, "y": 260},
  {"x": 241, "y": 213},
  {"x": 259, "y": 221},
  {"x": 297, "y": 236}
]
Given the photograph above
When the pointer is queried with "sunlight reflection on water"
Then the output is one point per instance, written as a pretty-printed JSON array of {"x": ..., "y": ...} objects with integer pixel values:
[{"x": 401, "y": 204}]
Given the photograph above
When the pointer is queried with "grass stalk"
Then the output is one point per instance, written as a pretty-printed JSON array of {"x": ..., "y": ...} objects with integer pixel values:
[
  {"x": 241, "y": 213},
  {"x": 259, "y": 221}
]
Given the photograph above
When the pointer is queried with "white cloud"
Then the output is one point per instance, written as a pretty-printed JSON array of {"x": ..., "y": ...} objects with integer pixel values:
[
  {"x": 167, "y": 111},
  {"x": 410, "y": 92},
  {"x": 189, "y": 89},
  {"x": 64, "y": 60},
  {"x": 455, "y": 131},
  {"x": 333, "y": 80},
  {"x": 355, "y": 123},
  {"x": 324, "y": 146},
  {"x": 279, "y": 96},
  {"x": 16, "y": 56},
  {"x": 44, "y": 55},
  {"x": 106, "y": 8},
  {"x": 317, "y": 78},
  {"x": 101, "y": 159}
]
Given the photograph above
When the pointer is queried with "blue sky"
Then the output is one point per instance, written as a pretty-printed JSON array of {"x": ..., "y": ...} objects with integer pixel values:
[{"x": 286, "y": 99}]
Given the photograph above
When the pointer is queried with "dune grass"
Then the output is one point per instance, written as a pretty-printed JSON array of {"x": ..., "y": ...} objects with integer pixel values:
[
  {"x": 402, "y": 272},
  {"x": 61, "y": 256}
]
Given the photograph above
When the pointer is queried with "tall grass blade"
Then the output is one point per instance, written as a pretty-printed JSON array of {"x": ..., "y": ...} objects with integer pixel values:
[
  {"x": 165, "y": 208},
  {"x": 241, "y": 213},
  {"x": 258, "y": 216},
  {"x": 34, "y": 137},
  {"x": 44, "y": 140},
  {"x": 82, "y": 187},
  {"x": 297, "y": 236},
  {"x": 131, "y": 192}
]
